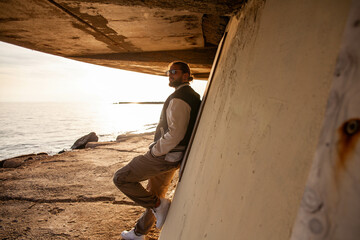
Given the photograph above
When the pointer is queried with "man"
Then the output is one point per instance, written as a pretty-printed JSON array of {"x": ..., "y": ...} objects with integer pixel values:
[{"x": 159, "y": 164}]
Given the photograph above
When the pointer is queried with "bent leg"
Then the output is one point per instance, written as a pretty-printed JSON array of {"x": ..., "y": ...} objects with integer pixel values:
[
  {"x": 141, "y": 168},
  {"x": 157, "y": 185}
]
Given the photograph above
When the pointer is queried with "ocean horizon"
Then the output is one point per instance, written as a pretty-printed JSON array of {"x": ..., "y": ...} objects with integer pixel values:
[{"x": 34, "y": 127}]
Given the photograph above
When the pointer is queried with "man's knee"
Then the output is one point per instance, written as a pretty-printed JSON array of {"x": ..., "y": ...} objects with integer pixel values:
[{"x": 120, "y": 177}]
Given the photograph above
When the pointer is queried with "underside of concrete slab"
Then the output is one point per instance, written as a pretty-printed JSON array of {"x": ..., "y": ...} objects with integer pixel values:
[{"x": 142, "y": 36}]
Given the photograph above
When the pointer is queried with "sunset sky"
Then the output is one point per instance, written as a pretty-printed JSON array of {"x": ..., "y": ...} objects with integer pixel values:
[{"x": 31, "y": 76}]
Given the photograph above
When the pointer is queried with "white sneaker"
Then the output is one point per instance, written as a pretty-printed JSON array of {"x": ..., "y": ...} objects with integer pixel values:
[
  {"x": 130, "y": 235},
  {"x": 161, "y": 211}
]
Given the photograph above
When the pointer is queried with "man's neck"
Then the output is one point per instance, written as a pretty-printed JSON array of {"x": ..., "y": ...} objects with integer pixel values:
[{"x": 182, "y": 85}]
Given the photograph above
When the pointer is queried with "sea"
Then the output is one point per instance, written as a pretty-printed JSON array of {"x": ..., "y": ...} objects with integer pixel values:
[{"x": 29, "y": 127}]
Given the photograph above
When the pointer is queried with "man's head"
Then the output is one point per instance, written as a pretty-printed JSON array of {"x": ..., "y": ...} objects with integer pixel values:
[{"x": 179, "y": 73}]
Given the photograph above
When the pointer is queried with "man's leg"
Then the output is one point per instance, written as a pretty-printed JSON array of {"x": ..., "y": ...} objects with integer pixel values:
[
  {"x": 157, "y": 185},
  {"x": 142, "y": 168}
]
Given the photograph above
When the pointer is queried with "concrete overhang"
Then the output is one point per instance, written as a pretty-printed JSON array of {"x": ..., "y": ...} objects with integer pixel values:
[{"x": 141, "y": 35}]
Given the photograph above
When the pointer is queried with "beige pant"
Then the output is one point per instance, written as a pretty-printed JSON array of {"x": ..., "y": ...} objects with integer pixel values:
[{"x": 158, "y": 172}]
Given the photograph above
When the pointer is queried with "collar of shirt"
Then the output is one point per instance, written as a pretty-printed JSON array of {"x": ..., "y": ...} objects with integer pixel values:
[{"x": 182, "y": 85}]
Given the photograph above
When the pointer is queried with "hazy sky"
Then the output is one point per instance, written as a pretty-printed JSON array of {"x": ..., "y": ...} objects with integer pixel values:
[{"x": 31, "y": 76}]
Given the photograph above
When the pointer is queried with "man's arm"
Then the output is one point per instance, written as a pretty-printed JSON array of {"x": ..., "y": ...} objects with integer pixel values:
[{"x": 178, "y": 117}]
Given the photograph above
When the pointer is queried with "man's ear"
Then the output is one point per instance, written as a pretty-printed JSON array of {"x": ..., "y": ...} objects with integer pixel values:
[{"x": 185, "y": 77}]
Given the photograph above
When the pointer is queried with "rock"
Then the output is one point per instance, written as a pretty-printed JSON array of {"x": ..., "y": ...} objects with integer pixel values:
[
  {"x": 62, "y": 151},
  {"x": 27, "y": 155},
  {"x": 42, "y": 154},
  {"x": 97, "y": 144},
  {"x": 129, "y": 135},
  {"x": 18, "y": 161},
  {"x": 120, "y": 138},
  {"x": 81, "y": 142},
  {"x": 13, "y": 162}
]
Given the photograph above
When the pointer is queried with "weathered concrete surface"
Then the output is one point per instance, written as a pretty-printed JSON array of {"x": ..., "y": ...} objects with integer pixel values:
[
  {"x": 141, "y": 36},
  {"x": 70, "y": 195},
  {"x": 330, "y": 207},
  {"x": 257, "y": 135}
]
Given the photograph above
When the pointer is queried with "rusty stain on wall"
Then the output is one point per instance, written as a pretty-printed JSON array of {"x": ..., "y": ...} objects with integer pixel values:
[{"x": 349, "y": 134}]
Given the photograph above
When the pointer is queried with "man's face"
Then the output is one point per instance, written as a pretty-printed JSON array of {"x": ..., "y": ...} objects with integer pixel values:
[{"x": 177, "y": 78}]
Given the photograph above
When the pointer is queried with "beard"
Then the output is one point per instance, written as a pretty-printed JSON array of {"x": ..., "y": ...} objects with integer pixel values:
[{"x": 175, "y": 83}]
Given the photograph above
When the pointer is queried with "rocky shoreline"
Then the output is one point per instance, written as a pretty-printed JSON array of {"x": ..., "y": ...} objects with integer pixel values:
[{"x": 70, "y": 195}]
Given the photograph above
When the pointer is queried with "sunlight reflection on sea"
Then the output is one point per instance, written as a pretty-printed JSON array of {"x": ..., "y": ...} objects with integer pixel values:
[{"x": 51, "y": 127}]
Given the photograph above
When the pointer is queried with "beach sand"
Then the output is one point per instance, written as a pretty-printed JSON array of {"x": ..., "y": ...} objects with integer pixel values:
[{"x": 71, "y": 195}]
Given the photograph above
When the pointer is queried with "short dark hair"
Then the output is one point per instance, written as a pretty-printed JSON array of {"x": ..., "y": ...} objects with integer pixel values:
[{"x": 183, "y": 67}]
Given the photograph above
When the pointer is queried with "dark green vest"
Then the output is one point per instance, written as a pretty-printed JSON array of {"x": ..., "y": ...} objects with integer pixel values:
[{"x": 188, "y": 95}]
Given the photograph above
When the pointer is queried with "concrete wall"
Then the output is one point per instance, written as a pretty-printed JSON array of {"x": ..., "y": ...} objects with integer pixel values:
[
  {"x": 330, "y": 206},
  {"x": 250, "y": 158}
]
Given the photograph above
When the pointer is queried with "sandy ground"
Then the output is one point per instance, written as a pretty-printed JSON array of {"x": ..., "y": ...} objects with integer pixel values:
[{"x": 71, "y": 195}]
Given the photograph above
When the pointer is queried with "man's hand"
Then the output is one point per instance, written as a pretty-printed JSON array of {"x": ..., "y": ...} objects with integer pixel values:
[{"x": 150, "y": 147}]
